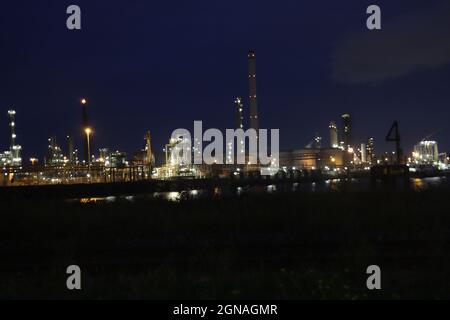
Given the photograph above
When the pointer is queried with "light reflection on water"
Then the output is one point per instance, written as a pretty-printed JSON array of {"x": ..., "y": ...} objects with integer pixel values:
[
  {"x": 431, "y": 182},
  {"x": 418, "y": 184},
  {"x": 111, "y": 199},
  {"x": 331, "y": 185},
  {"x": 175, "y": 195}
]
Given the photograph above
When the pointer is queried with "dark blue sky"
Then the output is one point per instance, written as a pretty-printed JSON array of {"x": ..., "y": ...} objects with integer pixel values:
[{"x": 147, "y": 65}]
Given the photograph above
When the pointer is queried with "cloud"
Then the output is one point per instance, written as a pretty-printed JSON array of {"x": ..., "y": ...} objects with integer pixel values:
[{"x": 410, "y": 43}]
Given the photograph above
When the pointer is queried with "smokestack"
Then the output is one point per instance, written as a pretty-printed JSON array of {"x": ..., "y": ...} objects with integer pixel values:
[
  {"x": 85, "y": 126},
  {"x": 70, "y": 149},
  {"x": 12, "y": 125},
  {"x": 148, "y": 161},
  {"x": 346, "y": 122},
  {"x": 252, "y": 90},
  {"x": 239, "y": 113},
  {"x": 333, "y": 135}
]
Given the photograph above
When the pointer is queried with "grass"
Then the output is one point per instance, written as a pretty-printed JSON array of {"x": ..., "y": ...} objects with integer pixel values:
[{"x": 271, "y": 246}]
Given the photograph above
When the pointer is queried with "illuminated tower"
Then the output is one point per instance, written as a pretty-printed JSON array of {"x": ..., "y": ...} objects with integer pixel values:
[
  {"x": 333, "y": 135},
  {"x": 239, "y": 113},
  {"x": 54, "y": 153},
  {"x": 85, "y": 131},
  {"x": 71, "y": 153},
  {"x": 148, "y": 160},
  {"x": 371, "y": 151},
  {"x": 12, "y": 125},
  {"x": 346, "y": 125},
  {"x": 15, "y": 149},
  {"x": 252, "y": 90},
  {"x": 363, "y": 153}
]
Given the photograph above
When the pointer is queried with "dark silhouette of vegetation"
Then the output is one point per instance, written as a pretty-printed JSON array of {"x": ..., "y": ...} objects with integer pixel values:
[{"x": 281, "y": 246}]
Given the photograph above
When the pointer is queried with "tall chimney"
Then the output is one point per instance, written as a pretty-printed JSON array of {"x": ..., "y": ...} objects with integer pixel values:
[
  {"x": 252, "y": 90},
  {"x": 15, "y": 149},
  {"x": 11, "y": 114},
  {"x": 85, "y": 126},
  {"x": 70, "y": 149},
  {"x": 148, "y": 159},
  {"x": 239, "y": 113},
  {"x": 333, "y": 135}
]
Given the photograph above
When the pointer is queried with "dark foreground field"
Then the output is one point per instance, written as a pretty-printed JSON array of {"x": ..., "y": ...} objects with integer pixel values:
[{"x": 282, "y": 246}]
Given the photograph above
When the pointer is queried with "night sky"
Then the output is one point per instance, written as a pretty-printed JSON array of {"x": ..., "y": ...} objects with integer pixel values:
[{"x": 160, "y": 65}]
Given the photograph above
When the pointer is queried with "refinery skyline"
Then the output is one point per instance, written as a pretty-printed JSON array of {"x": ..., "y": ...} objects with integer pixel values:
[
  {"x": 78, "y": 137},
  {"x": 79, "y": 148},
  {"x": 339, "y": 137},
  {"x": 149, "y": 73}
]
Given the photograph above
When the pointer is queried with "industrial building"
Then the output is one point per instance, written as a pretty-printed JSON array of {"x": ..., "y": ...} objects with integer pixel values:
[
  {"x": 55, "y": 155},
  {"x": 426, "y": 152},
  {"x": 312, "y": 159},
  {"x": 12, "y": 157},
  {"x": 333, "y": 135}
]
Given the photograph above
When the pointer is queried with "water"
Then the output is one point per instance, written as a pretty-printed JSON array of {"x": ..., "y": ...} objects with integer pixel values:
[{"x": 331, "y": 185}]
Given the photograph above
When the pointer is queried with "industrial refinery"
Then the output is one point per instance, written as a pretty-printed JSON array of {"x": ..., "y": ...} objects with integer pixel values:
[
  {"x": 12, "y": 157},
  {"x": 341, "y": 155}
]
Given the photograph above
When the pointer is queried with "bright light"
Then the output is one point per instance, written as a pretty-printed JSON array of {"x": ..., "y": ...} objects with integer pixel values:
[
  {"x": 83, "y": 101},
  {"x": 88, "y": 131}
]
